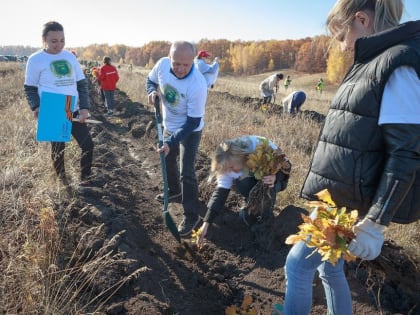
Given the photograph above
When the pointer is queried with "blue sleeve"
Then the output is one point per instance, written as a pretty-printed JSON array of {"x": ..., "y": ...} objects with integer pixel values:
[
  {"x": 189, "y": 126},
  {"x": 151, "y": 86}
]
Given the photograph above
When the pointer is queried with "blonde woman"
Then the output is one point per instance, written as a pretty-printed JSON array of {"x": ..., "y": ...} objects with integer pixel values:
[
  {"x": 368, "y": 153},
  {"x": 229, "y": 166}
]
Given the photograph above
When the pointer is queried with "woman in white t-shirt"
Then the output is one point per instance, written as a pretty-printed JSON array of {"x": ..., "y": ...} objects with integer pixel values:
[{"x": 56, "y": 70}]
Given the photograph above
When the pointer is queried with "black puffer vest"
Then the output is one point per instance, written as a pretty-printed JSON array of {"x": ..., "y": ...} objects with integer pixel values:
[{"x": 351, "y": 153}]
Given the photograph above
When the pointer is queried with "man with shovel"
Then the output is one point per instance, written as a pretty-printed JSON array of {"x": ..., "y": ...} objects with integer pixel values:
[{"x": 183, "y": 93}]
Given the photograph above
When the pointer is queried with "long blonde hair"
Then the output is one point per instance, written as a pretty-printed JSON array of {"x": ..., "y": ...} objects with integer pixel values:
[
  {"x": 232, "y": 150},
  {"x": 387, "y": 13}
]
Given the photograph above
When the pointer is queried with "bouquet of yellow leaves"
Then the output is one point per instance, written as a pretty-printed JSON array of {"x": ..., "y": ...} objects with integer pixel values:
[
  {"x": 265, "y": 160},
  {"x": 262, "y": 162},
  {"x": 330, "y": 232}
]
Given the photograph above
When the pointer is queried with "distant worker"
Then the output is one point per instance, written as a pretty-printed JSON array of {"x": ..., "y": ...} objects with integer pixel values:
[
  {"x": 108, "y": 77},
  {"x": 293, "y": 102},
  {"x": 210, "y": 71},
  {"x": 287, "y": 82},
  {"x": 97, "y": 84},
  {"x": 270, "y": 86},
  {"x": 320, "y": 85}
]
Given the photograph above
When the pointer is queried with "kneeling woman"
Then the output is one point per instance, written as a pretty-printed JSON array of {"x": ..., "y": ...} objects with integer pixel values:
[{"x": 229, "y": 165}]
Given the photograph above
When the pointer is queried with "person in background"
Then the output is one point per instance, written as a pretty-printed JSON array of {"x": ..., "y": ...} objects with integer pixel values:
[
  {"x": 229, "y": 166},
  {"x": 293, "y": 102},
  {"x": 287, "y": 82},
  {"x": 210, "y": 71},
  {"x": 320, "y": 86},
  {"x": 269, "y": 86},
  {"x": 182, "y": 90},
  {"x": 42, "y": 75},
  {"x": 108, "y": 78},
  {"x": 368, "y": 152},
  {"x": 97, "y": 84}
]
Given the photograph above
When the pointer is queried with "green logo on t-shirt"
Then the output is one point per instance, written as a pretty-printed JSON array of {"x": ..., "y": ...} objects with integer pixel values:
[
  {"x": 171, "y": 95},
  {"x": 61, "y": 68}
]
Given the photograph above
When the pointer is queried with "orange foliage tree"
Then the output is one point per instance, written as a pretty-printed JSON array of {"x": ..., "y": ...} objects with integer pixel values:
[{"x": 312, "y": 55}]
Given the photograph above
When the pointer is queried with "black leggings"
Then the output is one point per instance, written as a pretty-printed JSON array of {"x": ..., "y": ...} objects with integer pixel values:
[{"x": 81, "y": 133}]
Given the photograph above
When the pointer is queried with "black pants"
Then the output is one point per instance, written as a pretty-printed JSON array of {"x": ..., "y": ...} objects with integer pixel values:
[
  {"x": 81, "y": 133},
  {"x": 267, "y": 99},
  {"x": 183, "y": 178}
]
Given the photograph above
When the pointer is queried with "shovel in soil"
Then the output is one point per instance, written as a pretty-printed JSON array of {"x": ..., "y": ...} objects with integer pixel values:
[{"x": 166, "y": 215}]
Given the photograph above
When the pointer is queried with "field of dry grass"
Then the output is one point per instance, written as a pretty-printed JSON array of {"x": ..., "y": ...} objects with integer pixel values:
[{"x": 29, "y": 230}]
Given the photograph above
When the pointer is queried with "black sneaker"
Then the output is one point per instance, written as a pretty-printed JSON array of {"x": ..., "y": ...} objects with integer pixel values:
[
  {"x": 188, "y": 223},
  {"x": 177, "y": 197}
]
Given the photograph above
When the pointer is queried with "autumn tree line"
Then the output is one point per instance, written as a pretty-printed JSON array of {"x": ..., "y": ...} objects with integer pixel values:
[{"x": 310, "y": 55}]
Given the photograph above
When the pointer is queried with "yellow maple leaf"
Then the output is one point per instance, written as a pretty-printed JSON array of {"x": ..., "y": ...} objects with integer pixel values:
[
  {"x": 252, "y": 312},
  {"x": 231, "y": 310},
  {"x": 246, "y": 302},
  {"x": 324, "y": 195},
  {"x": 195, "y": 236},
  {"x": 293, "y": 239}
]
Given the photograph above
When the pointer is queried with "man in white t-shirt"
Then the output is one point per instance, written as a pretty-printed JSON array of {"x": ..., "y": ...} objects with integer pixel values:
[{"x": 183, "y": 93}]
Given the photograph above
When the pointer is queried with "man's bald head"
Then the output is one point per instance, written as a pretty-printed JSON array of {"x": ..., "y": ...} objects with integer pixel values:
[{"x": 182, "y": 55}]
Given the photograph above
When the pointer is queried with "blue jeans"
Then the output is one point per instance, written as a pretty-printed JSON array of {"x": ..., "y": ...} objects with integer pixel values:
[
  {"x": 300, "y": 272},
  {"x": 109, "y": 97},
  {"x": 184, "y": 178}
]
